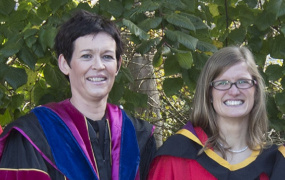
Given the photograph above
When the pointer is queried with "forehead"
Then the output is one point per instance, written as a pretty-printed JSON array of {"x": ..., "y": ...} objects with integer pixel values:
[
  {"x": 234, "y": 72},
  {"x": 100, "y": 40}
]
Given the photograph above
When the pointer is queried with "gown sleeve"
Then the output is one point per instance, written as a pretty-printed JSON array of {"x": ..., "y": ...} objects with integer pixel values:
[{"x": 20, "y": 160}]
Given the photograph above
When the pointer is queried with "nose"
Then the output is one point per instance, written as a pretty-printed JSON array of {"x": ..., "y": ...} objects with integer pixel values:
[
  {"x": 234, "y": 90},
  {"x": 98, "y": 64}
]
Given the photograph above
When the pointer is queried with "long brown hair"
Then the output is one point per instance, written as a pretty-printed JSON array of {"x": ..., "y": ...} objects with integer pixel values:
[{"x": 204, "y": 115}]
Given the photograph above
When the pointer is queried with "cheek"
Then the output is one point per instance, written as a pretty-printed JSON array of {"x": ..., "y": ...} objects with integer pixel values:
[
  {"x": 112, "y": 68},
  {"x": 216, "y": 99},
  {"x": 252, "y": 98}
]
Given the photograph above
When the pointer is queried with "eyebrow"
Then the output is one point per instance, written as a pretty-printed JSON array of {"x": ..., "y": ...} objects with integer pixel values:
[{"x": 90, "y": 50}]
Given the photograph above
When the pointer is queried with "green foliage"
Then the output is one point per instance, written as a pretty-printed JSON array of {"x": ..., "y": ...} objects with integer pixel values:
[{"x": 179, "y": 35}]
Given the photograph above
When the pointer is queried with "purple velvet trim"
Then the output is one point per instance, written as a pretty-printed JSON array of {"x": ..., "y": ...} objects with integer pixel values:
[
  {"x": 152, "y": 130},
  {"x": 3, "y": 140},
  {"x": 114, "y": 115},
  {"x": 77, "y": 125},
  {"x": 190, "y": 128},
  {"x": 23, "y": 174}
]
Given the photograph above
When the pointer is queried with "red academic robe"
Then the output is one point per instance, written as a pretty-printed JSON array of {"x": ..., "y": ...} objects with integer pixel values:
[{"x": 178, "y": 159}]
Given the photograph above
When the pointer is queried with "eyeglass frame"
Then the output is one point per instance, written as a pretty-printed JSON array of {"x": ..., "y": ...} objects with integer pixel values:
[{"x": 231, "y": 84}]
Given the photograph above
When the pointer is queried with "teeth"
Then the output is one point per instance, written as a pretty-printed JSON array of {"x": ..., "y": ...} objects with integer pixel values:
[
  {"x": 96, "y": 79},
  {"x": 233, "y": 103}
]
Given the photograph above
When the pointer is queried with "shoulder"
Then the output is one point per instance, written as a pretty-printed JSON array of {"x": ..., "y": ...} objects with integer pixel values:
[
  {"x": 141, "y": 125},
  {"x": 179, "y": 146},
  {"x": 26, "y": 126},
  {"x": 144, "y": 131},
  {"x": 186, "y": 143},
  {"x": 25, "y": 123}
]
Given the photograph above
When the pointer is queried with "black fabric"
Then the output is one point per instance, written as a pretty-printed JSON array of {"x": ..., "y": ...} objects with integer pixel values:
[
  {"x": 99, "y": 127},
  {"x": 17, "y": 145},
  {"x": 100, "y": 140},
  {"x": 19, "y": 152},
  {"x": 146, "y": 143},
  {"x": 181, "y": 146}
]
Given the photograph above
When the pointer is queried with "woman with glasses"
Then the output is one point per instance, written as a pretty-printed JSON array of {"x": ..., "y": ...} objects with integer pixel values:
[{"x": 226, "y": 136}]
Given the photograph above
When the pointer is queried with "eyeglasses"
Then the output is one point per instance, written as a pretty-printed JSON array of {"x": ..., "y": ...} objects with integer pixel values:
[{"x": 224, "y": 85}]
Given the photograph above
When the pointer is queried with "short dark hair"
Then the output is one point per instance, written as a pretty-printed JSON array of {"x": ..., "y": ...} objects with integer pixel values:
[{"x": 84, "y": 23}]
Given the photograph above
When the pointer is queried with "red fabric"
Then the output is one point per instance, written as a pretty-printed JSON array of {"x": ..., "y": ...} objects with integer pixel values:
[
  {"x": 1, "y": 130},
  {"x": 263, "y": 176},
  {"x": 23, "y": 175},
  {"x": 174, "y": 168},
  {"x": 201, "y": 135}
]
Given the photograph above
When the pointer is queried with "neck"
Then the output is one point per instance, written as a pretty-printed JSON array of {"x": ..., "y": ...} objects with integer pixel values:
[
  {"x": 94, "y": 110},
  {"x": 234, "y": 132}
]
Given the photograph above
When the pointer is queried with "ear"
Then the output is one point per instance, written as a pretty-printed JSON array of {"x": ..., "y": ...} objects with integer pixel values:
[
  {"x": 119, "y": 65},
  {"x": 63, "y": 65}
]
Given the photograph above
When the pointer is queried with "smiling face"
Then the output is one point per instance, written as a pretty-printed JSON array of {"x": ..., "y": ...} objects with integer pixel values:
[
  {"x": 93, "y": 67},
  {"x": 234, "y": 103}
]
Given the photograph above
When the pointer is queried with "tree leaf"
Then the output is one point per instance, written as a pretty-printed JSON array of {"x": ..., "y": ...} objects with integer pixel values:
[
  {"x": 6, "y": 6},
  {"x": 273, "y": 6},
  {"x": 246, "y": 16},
  {"x": 200, "y": 60},
  {"x": 116, "y": 93},
  {"x": 185, "y": 39},
  {"x": 274, "y": 72},
  {"x": 237, "y": 35},
  {"x": 115, "y": 8},
  {"x": 56, "y": 4},
  {"x": 281, "y": 11},
  {"x": 251, "y": 3},
  {"x": 171, "y": 86},
  {"x": 280, "y": 101},
  {"x": 16, "y": 77},
  {"x": 147, "y": 5},
  {"x": 185, "y": 60},
  {"x": 206, "y": 47},
  {"x": 30, "y": 41},
  {"x": 196, "y": 21},
  {"x": 180, "y": 21},
  {"x": 47, "y": 36},
  {"x": 127, "y": 74},
  {"x": 54, "y": 77},
  {"x": 283, "y": 30},
  {"x": 265, "y": 19},
  {"x": 171, "y": 65},
  {"x": 30, "y": 32},
  {"x": 146, "y": 46},
  {"x": 214, "y": 9},
  {"x": 135, "y": 29},
  {"x": 11, "y": 47},
  {"x": 27, "y": 57},
  {"x": 272, "y": 108},
  {"x": 190, "y": 4},
  {"x": 174, "y": 5},
  {"x": 150, "y": 23},
  {"x": 138, "y": 99},
  {"x": 17, "y": 101},
  {"x": 37, "y": 92},
  {"x": 157, "y": 59},
  {"x": 277, "y": 45},
  {"x": 6, "y": 117}
]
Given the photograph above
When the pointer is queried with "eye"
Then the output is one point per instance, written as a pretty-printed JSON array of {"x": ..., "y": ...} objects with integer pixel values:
[
  {"x": 244, "y": 81},
  {"x": 86, "y": 56},
  {"x": 108, "y": 57},
  {"x": 221, "y": 83}
]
